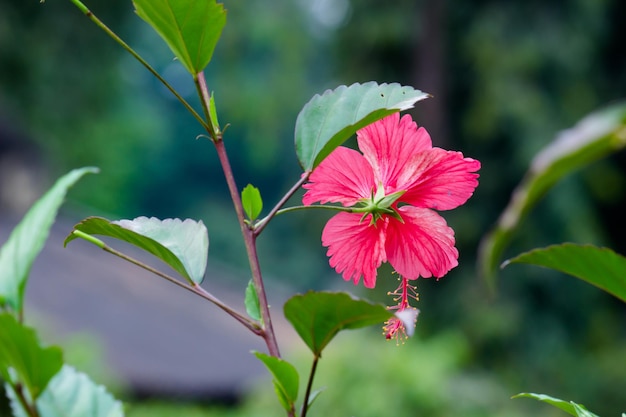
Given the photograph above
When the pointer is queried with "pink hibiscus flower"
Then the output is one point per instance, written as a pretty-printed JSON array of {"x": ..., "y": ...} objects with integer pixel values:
[{"x": 391, "y": 190}]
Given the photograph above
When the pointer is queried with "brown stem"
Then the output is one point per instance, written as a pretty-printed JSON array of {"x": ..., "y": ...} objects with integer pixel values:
[
  {"x": 263, "y": 223},
  {"x": 250, "y": 243},
  {"x": 31, "y": 409},
  {"x": 195, "y": 288},
  {"x": 205, "y": 98},
  {"x": 247, "y": 232},
  {"x": 309, "y": 385},
  {"x": 138, "y": 57}
]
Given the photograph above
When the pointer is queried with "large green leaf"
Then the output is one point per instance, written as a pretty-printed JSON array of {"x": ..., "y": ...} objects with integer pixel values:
[
  {"x": 599, "y": 134},
  {"x": 27, "y": 239},
  {"x": 286, "y": 379},
  {"x": 327, "y": 120},
  {"x": 183, "y": 245},
  {"x": 569, "y": 407},
  {"x": 191, "y": 28},
  {"x": 20, "y": 351},
  {"x": 319, "y": 316},
  {"x": 72, "y": 394},
  {"x": 598, "y": 266}
]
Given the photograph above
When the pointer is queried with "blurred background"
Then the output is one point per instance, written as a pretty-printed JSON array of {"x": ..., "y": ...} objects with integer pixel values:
[{"x": 505, "y": 76}]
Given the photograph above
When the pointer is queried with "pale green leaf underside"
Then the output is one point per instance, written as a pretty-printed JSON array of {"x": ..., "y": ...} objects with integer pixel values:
[
  {"x": 28, "y": 238},
  {"x": 598, "y": 266},
  {"x": 569, "y": 407},
  {"x": 318, "y": 316},
  {"x": 73, "y": 394},
  {"x": 597, "y": 135},
  {"x": 191, "y": 28},
  {"x": 328, "y": 120},
  {"x": 183, "y": 245}
]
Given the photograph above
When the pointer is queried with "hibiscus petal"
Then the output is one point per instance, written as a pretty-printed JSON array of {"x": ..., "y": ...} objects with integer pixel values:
[
  {"x": 439, "y": 179},
  {"x": 355, "y": 247},
  {"x": 422, "y": 246},
  {"x": 343, "y": 177},
  {"x": 389, "y": 144}
]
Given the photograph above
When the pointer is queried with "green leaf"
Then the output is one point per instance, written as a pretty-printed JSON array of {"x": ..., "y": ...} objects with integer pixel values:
[
  {"x": 20, "y": 351},
  {"x": 581, "y": 411},
  {"x": 253, "y": 306},
  {"x": 252, "y": 202},
  {"x": 598, "y": 266},
  {"x": 314, "y": 396},
  {"x": 286, "y": 379},
  {"x": 319, "y": 316},
  {"x": 569, "y": 407},
  {"x": 327, "y": 120},
  {"x": 213, "y": 113},
  {"x": 599, "y": 134},
  {"x": 28, "y": 238},
  {"x": 183, "y": 245},
  {"x": 72, "y": 394},
  {"x": 191, "y": 28}
]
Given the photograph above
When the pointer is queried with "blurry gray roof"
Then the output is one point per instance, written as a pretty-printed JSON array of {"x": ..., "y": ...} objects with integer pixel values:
[{"x": 158, "y": 338}]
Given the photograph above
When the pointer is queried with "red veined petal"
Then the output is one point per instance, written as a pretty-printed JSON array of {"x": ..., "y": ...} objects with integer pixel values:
[
  {"x": 422, "y": 246},
  {"x": 343, "y": 177},
  {"x": 389, "y": 144},
  {"x": 355, "y": 247},
  {"x": 439, "y": 179}
]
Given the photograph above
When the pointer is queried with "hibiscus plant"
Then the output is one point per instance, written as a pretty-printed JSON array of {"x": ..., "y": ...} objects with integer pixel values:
[{"x": 386, "y": 196}]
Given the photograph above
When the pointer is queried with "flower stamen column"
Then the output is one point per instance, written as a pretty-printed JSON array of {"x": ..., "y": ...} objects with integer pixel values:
[{"x": 401, "y": 325}]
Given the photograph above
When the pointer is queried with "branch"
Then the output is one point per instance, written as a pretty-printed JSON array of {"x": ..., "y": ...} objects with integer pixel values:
[
  {"x": 143, "y": 62},
  {"x": 196, "y": 289},
  {"x": 263, "y": 223}
]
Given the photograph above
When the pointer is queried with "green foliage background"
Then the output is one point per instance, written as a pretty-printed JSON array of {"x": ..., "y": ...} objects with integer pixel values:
[{"x": 507, "y": 76}]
